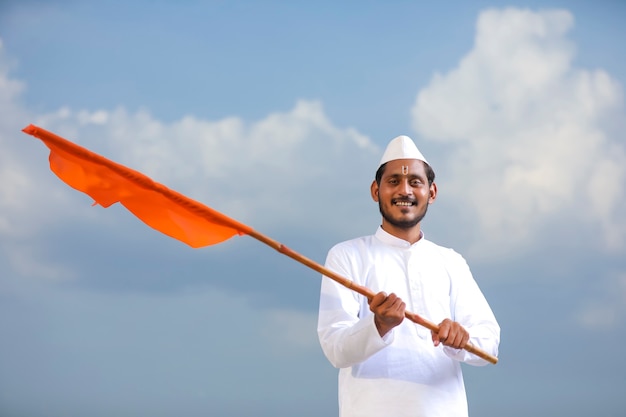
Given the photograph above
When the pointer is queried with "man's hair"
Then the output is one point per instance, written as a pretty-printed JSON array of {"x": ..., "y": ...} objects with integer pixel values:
[{"x": 430, "y": 174}]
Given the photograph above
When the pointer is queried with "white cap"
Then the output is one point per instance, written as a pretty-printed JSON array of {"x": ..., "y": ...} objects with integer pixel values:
[{"x": 401, "y": 147}]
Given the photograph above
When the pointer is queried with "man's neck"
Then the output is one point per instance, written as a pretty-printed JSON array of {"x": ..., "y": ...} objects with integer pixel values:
[{"x": 411, "y": 235}]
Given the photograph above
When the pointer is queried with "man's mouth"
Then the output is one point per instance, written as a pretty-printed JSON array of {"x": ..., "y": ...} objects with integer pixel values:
[{"x": 403, "y": 203}]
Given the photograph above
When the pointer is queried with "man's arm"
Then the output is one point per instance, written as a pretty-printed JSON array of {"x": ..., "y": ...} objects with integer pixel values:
[
  {"x": 471, "y": 311},
  {"x": 347, "y": 330}
]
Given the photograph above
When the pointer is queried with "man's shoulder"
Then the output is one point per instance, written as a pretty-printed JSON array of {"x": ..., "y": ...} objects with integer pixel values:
[
  {"x": 356, "y": 243},
  {"x": 435, "y": 246},
  {"x": 443, "y": 251}
]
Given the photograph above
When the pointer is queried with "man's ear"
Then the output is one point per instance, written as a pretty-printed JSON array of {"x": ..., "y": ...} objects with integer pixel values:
[
  {"x": 433, "y": 193},
  {"x": 374, "y": 191}
]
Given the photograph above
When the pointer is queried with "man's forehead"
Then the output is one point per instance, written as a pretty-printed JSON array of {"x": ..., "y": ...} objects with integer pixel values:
[{"x": 405, "y": 167}]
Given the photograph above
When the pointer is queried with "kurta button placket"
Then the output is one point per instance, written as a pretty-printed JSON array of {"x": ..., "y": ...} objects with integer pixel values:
[{"x": 415, "y": 287}]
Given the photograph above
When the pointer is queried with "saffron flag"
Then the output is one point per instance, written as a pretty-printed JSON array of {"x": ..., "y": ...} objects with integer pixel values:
[{"x": 161, "y": 208}]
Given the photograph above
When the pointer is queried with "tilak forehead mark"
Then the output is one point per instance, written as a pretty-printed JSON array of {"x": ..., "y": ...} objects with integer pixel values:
[{"x": 405, "y": 170}]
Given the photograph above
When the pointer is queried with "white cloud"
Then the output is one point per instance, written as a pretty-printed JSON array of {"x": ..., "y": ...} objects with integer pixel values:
[{"x": 530, "y": 132}]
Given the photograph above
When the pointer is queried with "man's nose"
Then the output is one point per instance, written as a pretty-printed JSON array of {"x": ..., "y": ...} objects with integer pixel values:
[{"x": 406, "y": 188}]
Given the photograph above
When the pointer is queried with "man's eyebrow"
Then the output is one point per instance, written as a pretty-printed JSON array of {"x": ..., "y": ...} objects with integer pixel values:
[{"x": 411, "y": 176}]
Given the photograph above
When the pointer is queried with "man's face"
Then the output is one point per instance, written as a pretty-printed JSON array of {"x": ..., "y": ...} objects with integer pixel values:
[{"x": 403, "y": 194}]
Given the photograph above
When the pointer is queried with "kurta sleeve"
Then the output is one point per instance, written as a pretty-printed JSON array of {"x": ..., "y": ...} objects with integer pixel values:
[
  {"x": 346, "y": 329},
  {"x": 470, "y": 308}
]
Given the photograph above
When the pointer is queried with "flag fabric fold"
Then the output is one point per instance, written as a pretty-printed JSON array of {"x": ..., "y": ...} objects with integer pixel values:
[{"x": 161, "y": 208}]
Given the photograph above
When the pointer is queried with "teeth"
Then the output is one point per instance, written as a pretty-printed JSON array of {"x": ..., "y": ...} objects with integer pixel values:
[{"x": 404, "y": 203}]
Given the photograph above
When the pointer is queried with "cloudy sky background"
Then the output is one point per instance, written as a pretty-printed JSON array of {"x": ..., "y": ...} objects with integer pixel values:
[{"x": 276, "y": 114}]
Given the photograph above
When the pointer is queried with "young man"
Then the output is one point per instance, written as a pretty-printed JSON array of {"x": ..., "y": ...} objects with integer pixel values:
[{"x": 390, "y": 366}]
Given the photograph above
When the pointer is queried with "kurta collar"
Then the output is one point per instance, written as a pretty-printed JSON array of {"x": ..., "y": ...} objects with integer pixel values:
[{"x": 390, "y": 239}]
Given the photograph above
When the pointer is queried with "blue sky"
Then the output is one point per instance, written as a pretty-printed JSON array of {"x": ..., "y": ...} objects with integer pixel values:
[{"x": 276, "y": 113}]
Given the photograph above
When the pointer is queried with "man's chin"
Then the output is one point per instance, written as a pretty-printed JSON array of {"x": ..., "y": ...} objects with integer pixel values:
[
  {"x": 405, "y": 220},
  {"x": 403, "y": 223}
]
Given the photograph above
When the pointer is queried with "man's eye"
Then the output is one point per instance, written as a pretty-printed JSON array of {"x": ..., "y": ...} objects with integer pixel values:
[{"x": 416, "y": 183}]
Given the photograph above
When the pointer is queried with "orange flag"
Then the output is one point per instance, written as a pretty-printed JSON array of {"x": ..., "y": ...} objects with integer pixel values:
[{"x": 159, "y": 207}]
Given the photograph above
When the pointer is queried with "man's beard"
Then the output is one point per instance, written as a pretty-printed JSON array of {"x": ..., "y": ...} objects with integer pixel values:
[{"x": 401, "y": 224}]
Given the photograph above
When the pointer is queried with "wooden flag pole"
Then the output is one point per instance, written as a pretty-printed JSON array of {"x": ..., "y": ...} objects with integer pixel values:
[{"x": 366, "y": 292}]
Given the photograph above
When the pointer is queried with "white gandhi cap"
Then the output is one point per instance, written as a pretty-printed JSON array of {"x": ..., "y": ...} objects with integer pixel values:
[{"x": 401, "y": 147}]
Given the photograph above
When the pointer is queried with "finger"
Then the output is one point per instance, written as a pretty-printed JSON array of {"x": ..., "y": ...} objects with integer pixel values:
[
  {"x": 455, "y": 340},
  {"x": 391, "y": 299},
  {"x": 462, "y": 339},
  {"x": 395, "y": 303},
  {"x": 378, "y": 300},
  {"x": 444, "y": 331},
  {"x": 435, "y": 338},
  {"x": 442, "y": 335},
  {"x": 391, "y": 304},
  {"x": 458, "y": 337}
]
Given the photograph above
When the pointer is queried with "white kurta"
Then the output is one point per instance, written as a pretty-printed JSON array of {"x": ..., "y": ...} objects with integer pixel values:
[{"x": 402, "y": 374}]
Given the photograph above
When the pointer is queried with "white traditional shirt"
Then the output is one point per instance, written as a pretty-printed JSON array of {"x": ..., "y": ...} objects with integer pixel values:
[{"x": 402, "y": 373}]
